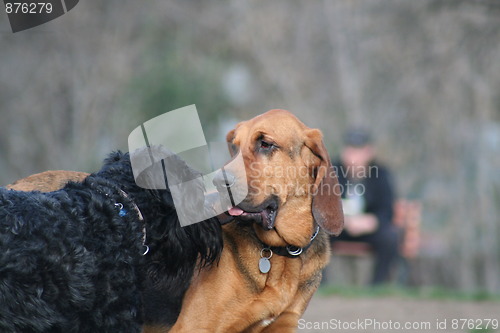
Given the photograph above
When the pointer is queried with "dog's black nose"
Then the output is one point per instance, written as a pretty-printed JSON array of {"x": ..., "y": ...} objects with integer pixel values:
[{"x": 224, "y": 178}]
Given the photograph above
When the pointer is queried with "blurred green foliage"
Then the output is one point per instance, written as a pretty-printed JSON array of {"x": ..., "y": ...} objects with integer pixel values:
[{"x": 170, "y": 80}]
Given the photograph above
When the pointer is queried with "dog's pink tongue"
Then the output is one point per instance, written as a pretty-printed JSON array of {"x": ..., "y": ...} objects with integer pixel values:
[{"x": 235, "y": 211}]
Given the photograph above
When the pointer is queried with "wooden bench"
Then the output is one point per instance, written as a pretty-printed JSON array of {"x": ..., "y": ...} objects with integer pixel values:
[
  {"x": 407, "y": 216},
  {"x": 352, "y": 262}
]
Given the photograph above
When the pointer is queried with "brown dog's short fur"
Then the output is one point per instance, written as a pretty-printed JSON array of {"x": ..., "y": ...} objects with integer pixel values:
[
  {"x": 285, "y": 163},
  {"x": 47, "y": 181}
]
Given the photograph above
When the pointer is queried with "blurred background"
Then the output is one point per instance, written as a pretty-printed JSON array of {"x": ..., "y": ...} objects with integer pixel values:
[{"x": 423, "y": 75}]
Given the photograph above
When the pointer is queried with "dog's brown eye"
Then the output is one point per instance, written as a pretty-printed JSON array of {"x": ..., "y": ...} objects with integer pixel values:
[{"x": 265, "y": 145}]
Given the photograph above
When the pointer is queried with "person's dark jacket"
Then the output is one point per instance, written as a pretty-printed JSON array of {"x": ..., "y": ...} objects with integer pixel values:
[{"x": 379, "y": 192}]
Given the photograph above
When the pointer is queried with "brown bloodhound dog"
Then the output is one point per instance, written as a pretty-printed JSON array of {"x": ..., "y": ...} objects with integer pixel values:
[{"x": 274, "y": 254}]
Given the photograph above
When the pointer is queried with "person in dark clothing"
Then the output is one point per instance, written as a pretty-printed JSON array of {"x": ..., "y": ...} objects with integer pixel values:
[{"x": 367, "y": 198}]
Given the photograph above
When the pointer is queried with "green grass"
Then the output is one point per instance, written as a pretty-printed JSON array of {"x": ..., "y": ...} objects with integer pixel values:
[{"x": 435, "y": 293}]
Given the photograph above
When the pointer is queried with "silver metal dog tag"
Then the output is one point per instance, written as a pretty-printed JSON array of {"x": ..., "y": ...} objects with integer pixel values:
[{"x": 264, "y": 265}]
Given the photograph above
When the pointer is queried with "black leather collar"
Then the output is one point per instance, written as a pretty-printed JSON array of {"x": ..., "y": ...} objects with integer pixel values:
[{"x": 291, "y": 251}]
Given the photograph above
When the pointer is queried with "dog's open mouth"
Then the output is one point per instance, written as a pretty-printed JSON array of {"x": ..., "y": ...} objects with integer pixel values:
[{"x": 265, "y": 218}]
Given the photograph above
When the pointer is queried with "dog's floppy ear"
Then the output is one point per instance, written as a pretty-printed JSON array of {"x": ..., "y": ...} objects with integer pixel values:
[
  {"x": 326, "y": 202},
  {"x": 229, "y": 140},
  {"x": 230, "y": 136}
]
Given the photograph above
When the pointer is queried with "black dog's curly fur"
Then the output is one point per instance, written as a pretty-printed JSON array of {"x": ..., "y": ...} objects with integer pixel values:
[{"x": 70, "y": 262}]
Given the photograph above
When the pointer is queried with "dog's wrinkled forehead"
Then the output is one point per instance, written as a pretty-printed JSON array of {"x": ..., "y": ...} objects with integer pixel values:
[{"x": 279, "y": 126}]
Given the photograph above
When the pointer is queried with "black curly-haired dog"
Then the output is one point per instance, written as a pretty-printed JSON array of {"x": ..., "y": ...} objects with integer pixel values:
[{"x": 72, "y": 260}]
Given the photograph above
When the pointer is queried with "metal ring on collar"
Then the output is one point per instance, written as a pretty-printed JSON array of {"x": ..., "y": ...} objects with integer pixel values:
[
  {"x": 294, "y": 250},
  {"x": 266, "y": 249}
]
